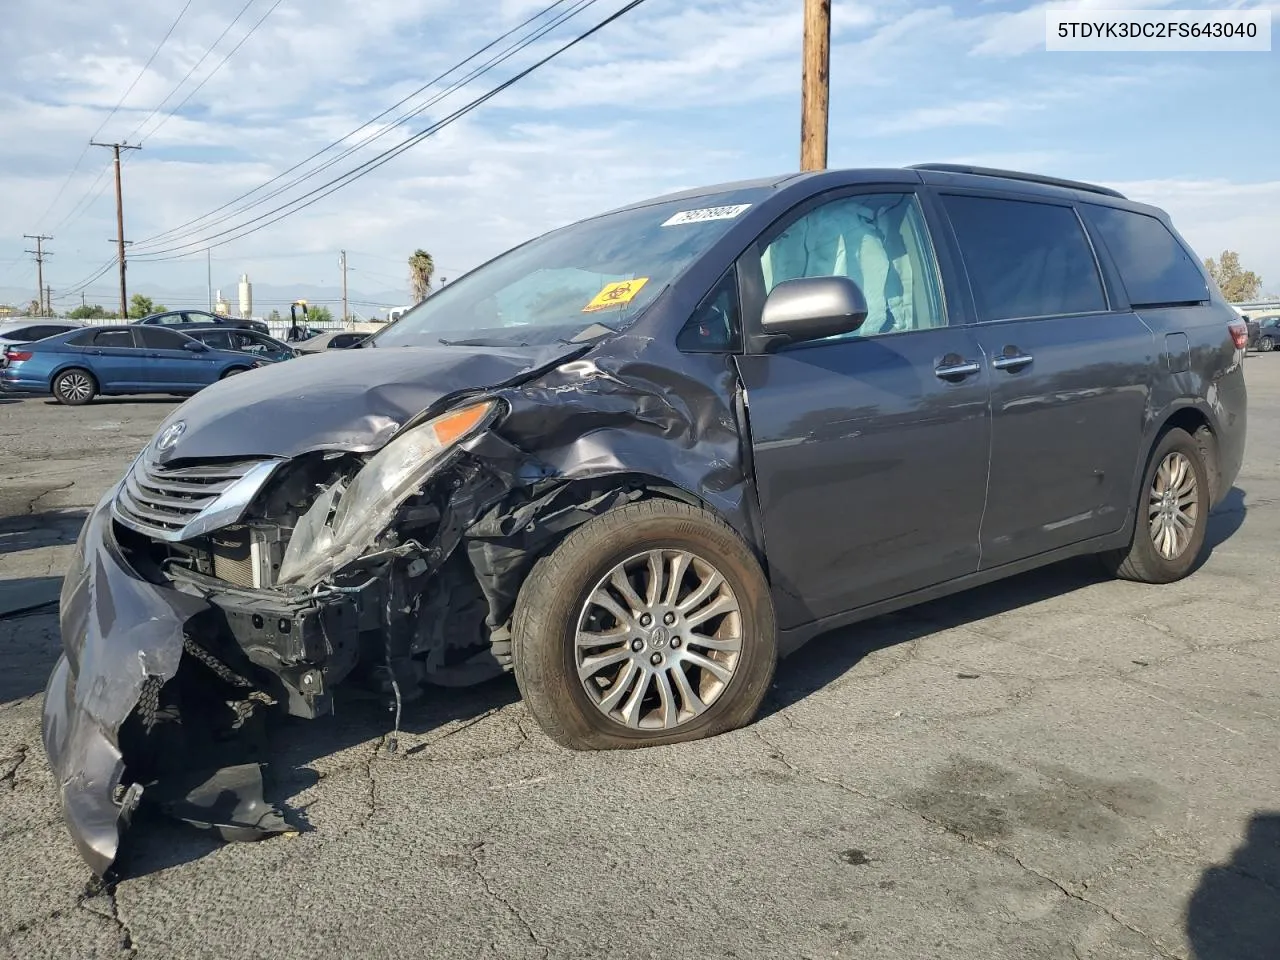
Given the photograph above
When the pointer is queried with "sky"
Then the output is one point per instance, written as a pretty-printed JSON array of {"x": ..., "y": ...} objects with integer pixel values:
[{"x": 675, "y": 94}]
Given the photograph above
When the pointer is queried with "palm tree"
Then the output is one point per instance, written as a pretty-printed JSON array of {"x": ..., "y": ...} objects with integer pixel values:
[{"x": 421, "y": 269}]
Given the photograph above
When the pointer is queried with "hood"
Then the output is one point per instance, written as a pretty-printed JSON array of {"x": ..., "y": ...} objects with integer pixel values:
[{"x": 351, "y": 400}]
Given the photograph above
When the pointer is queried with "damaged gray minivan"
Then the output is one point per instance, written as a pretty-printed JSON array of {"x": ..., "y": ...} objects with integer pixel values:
[{"x": 635, "y": 460}]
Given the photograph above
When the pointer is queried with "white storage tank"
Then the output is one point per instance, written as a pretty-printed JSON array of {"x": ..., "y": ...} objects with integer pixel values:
[{"x": 246, "y": 297}]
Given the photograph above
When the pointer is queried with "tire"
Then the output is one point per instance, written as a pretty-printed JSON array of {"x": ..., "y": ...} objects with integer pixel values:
[
  {"x": 554, "y": 602},
  {"x": 1154, "y": 556},
  {"x": 232, "y": 372},
  {"x": 74, "y": 387},
  {"x": 1266, "y": 345}
]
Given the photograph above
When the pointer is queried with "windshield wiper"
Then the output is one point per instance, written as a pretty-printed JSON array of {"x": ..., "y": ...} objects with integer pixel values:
[{"x": 481, "y": 342}]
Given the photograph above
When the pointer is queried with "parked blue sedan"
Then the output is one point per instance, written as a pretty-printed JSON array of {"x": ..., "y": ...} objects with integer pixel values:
[{"x": 77, "y": 366}]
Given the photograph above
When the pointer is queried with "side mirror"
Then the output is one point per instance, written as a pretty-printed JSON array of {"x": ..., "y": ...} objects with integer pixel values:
[
  {"x": 195, "y": 346},
  {"x": 811, "y": 308}
]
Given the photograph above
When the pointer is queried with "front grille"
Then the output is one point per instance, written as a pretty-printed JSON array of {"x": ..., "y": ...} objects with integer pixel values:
[{"x": 174, "y": 503}]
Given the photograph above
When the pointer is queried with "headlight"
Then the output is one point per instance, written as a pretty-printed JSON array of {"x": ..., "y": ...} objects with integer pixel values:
[{"x": 320, "y": 545}]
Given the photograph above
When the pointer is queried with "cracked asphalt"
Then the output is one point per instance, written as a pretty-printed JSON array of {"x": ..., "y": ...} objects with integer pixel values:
[{"x": 1057, "y": 766}]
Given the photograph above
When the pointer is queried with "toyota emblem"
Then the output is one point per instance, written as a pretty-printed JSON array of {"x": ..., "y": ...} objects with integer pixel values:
[{"x": 170, "y": 435}]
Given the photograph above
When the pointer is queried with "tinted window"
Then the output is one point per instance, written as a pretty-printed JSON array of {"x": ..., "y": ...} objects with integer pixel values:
[
  {"x": 113, "y": 338},
  {"x": 83, "y": 339},
  {"x": 715, "y": 323},
  {"x": 1154, "y": 266},
  {"x": 21, "y": 334},
  {"x": 346, "y": 340},
  {"x": 216, "y": 339},
  {"x": 1025, "y": 259},
  {"x": 155, "y": 338},
  {"x": 51, "y": 331},
  {"x": 878, "y": 241},
  {"x": 170, "y": 319}
]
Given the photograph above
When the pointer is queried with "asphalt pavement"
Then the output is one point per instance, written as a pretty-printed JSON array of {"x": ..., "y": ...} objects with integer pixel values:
[{"x": 1057, "y": 766}]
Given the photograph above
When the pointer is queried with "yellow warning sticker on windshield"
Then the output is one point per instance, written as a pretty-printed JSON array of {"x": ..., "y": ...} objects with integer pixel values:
[{"x": 615, "y": 294}]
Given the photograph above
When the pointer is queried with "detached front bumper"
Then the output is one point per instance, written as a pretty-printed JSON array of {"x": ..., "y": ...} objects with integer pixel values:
[{"x": 123, "y": 639}]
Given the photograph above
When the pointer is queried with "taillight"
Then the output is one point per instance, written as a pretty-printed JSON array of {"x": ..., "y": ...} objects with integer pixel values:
[
  {"x": 1239, "y": 333},
  {"x": 17, "y": 355}
]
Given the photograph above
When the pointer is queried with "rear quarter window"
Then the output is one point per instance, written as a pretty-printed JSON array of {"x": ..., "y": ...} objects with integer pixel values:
[
  {"x": 1025, "y": 259},
  {"x": 1155, "y": 268}
]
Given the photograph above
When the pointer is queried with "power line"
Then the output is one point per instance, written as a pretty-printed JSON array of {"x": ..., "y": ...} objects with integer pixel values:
[
  {"x": 209, "y": 76},
  {"x": 119, "y": 103},
  {"x": 178, "y": 85},
  {"x": 361, "y": 170},
  {"x": 181, "y": 230}
]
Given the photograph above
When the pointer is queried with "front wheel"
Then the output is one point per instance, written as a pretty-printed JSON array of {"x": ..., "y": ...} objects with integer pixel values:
[
  {"x": 1173, "y": 514},
  {"x": 232, "y": 372},
  {"x": 650, "y": 624}
]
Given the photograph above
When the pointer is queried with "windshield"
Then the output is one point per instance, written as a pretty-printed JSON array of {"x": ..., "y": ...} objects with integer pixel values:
[{"x": 583, "y": 280}]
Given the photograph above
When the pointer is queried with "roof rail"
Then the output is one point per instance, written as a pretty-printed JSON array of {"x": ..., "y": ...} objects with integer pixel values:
[{"x": 1015, "y": 175}]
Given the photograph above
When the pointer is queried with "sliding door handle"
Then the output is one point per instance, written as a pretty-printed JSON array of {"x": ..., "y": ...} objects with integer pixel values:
[
  {"x": 1011, "y": 361},
  {"x": 957, "y": 370}
]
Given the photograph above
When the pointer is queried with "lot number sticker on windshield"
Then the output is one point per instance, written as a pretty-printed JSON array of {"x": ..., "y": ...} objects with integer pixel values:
[
  {"x": 615, "y": 294},
  {"x": 706, "y": 213}
]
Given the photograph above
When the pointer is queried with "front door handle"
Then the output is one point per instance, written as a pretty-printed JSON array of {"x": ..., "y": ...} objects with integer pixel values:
[
  {"x": 1011, "y": 361},
  {"x": 956, "y": 370}
]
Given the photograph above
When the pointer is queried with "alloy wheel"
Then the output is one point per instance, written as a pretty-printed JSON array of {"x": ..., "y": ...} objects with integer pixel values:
[
  {"x": 1174, "y": 505},
  {"x": 75, "y": 386},
  {"x": 658, "y": 640}
]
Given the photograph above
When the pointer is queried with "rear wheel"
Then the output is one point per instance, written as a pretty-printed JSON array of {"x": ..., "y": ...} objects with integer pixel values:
[
  {"x": 650, "y": 624},
  {"x": 1172, "y": 515},
  {"x": 1266, "y": 345},
  {"x": 74, "y": 387}
]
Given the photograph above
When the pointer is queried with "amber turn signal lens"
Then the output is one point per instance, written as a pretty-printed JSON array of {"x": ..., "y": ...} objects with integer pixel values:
[{"x": 452, "y": 426}]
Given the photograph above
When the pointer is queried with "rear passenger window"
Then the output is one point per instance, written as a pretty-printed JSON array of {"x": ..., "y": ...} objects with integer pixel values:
[
  {"x": 113, "y": 338},
  {"x": 1025, "y": 259},
  {"x": 1154, "y": 267},
  {"x": 21, "y": 335}
]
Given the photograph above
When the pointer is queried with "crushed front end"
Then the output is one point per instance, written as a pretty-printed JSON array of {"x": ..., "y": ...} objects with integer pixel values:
[{"x": 205, "y": 595}]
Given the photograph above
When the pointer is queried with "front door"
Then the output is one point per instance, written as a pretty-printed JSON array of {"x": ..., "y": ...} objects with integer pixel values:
[
  {"x": 1070, "y": 378},
  {"x": 870, "y": 448}
]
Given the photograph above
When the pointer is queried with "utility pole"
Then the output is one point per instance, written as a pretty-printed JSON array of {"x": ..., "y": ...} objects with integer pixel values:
[
  {"x": 117, "y": 147},
  {"x": 48, "y": 300},
  {"x": 815, "y": 84},
  {"x": 39, "y": 253},
  {"x": 344, "y": 287},
  {"x": 208, "y": 263},
  {"x": 82, "y": 303}
]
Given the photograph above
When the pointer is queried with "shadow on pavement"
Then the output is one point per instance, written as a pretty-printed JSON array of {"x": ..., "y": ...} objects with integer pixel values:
[
  {"x": 155, "y": 842},
  {"x": 831, "y": 655},
  {"x": 129, "y": 398},
  {"x": 29, "y": 638},
  {"x": 1234, "y": 913},
  {"x": 1226, "y": 519},
  {"x": 35, "y": 530}
]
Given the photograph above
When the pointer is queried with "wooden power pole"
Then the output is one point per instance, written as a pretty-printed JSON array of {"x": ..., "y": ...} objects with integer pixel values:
[
  {"x": 124, "y": 294},
  {"x": 815, "y": 84},
  {"x": 39, "y": 253}
]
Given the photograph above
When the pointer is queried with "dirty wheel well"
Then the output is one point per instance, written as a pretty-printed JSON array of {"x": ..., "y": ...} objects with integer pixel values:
[
  {"x": 1195, "y": 423},
  {"x": 504, "y": 544}
]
